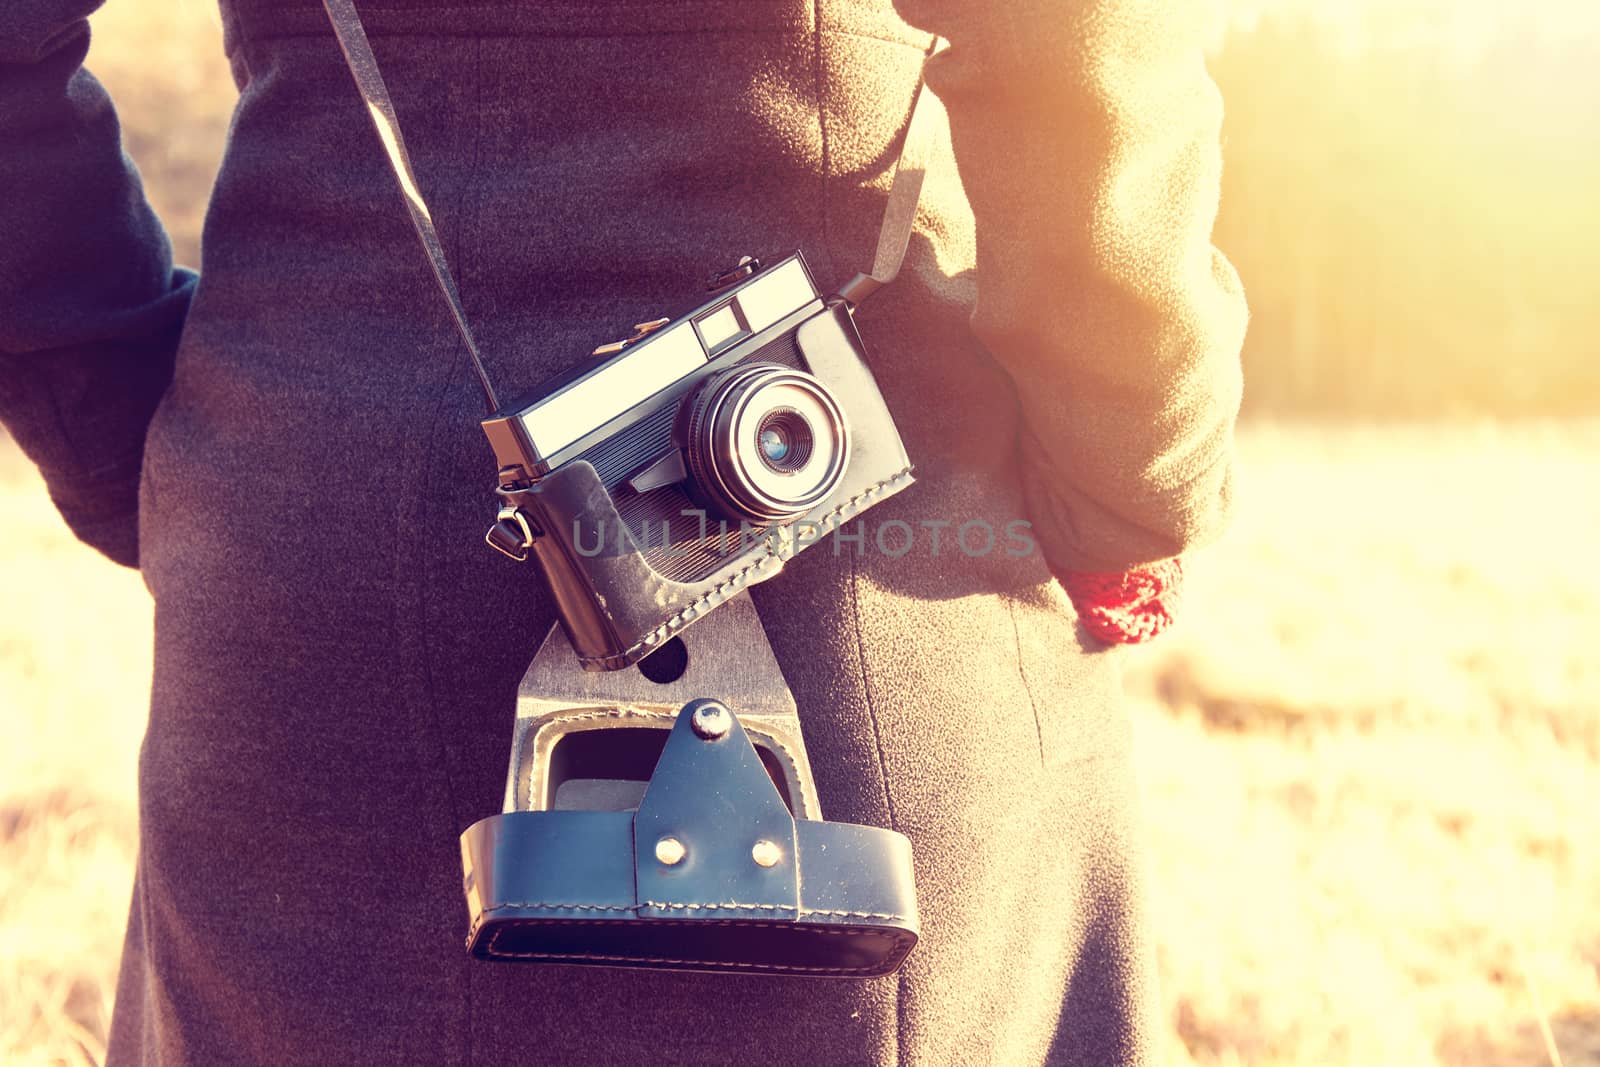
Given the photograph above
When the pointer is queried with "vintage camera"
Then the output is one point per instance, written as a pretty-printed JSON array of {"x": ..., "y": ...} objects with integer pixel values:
[{"x": 688, "y": 462}]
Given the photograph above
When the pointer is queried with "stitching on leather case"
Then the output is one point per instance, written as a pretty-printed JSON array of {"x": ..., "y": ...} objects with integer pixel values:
[
  {"x": 856, "y": 914},
  {"x": 633, "y": 908},
  {"x": 563, "y": 907},
  {"x": 735, "y": 906},
  {"x": 477, "y": 923},
  {"x": 898, "y": 938},
  {"x": 622, "y": 713},
  {"x": 737, "y": 581}
]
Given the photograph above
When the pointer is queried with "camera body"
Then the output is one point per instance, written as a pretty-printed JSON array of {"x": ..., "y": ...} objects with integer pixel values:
[{"x": 685, "y": 464}]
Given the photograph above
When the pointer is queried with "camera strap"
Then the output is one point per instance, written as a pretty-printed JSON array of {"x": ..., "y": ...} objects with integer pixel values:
[
  {"x": 893, "y": 237},
  {"x": 900, "y": 213},
  {"x": 364, "y": 68}
]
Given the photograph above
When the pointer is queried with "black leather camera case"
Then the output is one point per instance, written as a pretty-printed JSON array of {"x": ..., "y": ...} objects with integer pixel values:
[{"x": 825, "y": 899}]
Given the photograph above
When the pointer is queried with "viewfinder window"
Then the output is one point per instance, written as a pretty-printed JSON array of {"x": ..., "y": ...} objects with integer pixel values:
[{"x": 720, "y": 327}]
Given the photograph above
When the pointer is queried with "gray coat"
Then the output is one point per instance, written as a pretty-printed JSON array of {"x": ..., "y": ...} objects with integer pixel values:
[{"x": 288, "y": 449}]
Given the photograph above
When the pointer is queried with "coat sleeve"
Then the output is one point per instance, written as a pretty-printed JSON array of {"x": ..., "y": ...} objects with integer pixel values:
[
  {"x": 90, "y": 303},
  {"x": 1087, "y": 133}
]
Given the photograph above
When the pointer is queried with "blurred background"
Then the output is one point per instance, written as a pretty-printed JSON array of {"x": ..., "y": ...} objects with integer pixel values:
[{"x": 1371, "y": 750}]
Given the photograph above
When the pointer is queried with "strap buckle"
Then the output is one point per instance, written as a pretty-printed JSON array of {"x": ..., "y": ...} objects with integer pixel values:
[{"x": 512, "y": 534}]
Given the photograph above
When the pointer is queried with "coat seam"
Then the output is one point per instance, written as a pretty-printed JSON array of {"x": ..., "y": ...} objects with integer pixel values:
[
  {"x": 430, "y": 459},
  {"x": 822, "y": 128},
  {"x": 883, "y": 773},
  {"x": 475, "y": 221}
]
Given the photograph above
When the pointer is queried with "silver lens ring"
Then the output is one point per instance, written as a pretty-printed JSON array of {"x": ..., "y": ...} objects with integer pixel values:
[{"x": 768, "y": 442}]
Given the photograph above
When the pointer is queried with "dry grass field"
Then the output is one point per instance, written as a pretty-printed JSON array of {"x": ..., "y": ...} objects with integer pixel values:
[
  {"x": 1371, "y": 750},
  {"x": 1372, "y": 754}
]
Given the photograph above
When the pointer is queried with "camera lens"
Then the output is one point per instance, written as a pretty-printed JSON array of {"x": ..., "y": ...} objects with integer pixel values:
[
  {"x": 785, "y": 439},
  {"x": 774, "y": 446},
  {"x": 765, "y": 442}
]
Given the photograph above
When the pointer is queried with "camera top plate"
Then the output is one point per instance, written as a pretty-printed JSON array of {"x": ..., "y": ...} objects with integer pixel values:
[{"x": 589, "y": 402}]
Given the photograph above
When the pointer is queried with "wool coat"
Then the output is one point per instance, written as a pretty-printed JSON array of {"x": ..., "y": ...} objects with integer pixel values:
[{"x": 286, "y": 444}]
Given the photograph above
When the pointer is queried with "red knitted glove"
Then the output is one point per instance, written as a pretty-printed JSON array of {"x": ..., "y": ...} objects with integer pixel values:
[{"x": 1128, "y": 608}]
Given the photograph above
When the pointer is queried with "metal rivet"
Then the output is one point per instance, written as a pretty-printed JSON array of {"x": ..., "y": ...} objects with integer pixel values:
[
  {"x": 766, "y": 853},
  {"x": 670, "y": 851},
  {"x": 711, "y": 721}
]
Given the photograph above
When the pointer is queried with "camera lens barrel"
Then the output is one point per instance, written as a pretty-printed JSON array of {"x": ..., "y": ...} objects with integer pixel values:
[{"x": 765, "y": 442}]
